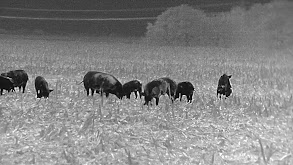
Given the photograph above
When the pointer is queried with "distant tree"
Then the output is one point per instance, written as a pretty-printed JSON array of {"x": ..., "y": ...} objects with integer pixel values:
[
  {"x": 269, "y": 25},
  {"x": 177, "y": 25}
]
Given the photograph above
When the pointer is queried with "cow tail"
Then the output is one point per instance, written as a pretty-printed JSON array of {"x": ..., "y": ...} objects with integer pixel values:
[
  {"x": 101, "y": 89},
  {"x": 169, "y": 90},
  {"x": 175, "y": 92}
]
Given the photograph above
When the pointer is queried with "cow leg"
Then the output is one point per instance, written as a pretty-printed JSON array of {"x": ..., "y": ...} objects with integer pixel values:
[
  {"x": 180, "y": 97},
  {"x": 135, "y": 92},
  {"x": 157, "y": 101},
  {"x": 93, "y": 91},
  {"x": 19, "y": 87},
  {"x": 23, "y": 88},
  {"x": 227, "y": 94},
  {"x": 39, "y": 94},
  {"x": 128, "y": 95},
  {"x": 87, "y": 91},
  {"x": 107, "y": 94},
  {"x": 190, "y": 98},
  {"x": 172, "y": 98},
  {"x": 1, "y": 91}
]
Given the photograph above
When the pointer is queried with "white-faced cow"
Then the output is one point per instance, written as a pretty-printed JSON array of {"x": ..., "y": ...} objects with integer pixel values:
[
  {"x": 6, "y": 83},
  {"x": 102, "y": 83},
  {"x": 224, "y": 86},
  {"x": 132, "y": 86},
  {"x": 19, "y": 77},
  {"x": 185, "y": 88},
  {"x": 155, "y": 89},
  {"x": 42, "y": 88},
  {"x": 173, "y": 86}
]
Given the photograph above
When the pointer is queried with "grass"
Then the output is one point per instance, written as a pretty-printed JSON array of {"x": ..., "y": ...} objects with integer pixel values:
[{"x": 254, "y": 126}]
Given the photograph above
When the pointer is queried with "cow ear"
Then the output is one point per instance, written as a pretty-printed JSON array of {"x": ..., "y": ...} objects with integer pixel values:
[
  {"x": 230, "y": 76},
  {"x": 50, "y": 90}
]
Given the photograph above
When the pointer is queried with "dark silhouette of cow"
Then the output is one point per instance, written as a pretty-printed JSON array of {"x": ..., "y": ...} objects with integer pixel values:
[
  {"x": 102, "y": 83},
  {"x": 185, "y": 88},
  {"x": 155, "y": 89},
  {"x": 224, "y": 86},
  {"x": 173, "y": 86},
  {"x": 132, "y": 86},
  {"x": 42, "y": 88},
  {"x": 19, "y": 77},
  {"x": 6, "y": 83}
]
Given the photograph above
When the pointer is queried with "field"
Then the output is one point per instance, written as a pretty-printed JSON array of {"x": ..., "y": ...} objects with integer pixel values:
[{"x": 253, "y": 126}]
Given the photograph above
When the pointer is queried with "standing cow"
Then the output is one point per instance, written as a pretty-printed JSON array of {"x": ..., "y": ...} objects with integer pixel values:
[
  {"x": 103, "y": 83},
  {"x": 132, "y": 86},
  {"x": 19, "y": 77},
  {"x": 224, "y": 86},
  {"x": 185, "y": 88},
  {"x": 173, "y": 86},
  {"x": 6, "y": 83},
  {"x": 155, "y": 89},
  {"x": 42, "y": 88}
]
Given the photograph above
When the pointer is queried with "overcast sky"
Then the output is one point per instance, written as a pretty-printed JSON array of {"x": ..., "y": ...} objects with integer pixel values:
[{"x": 112, "y": 4}]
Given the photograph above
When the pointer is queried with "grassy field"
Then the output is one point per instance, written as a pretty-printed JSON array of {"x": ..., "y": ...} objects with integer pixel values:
[{"x": 253, "y": 126}]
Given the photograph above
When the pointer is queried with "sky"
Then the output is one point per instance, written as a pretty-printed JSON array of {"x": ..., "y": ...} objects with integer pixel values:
[{"x": 112, "y": 4}]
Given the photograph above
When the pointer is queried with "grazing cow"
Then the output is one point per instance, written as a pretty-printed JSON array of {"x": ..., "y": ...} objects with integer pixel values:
[
  {"x": 6, "y": 83},
  {"x": 102, "y": 83},
  {"x": 19, "y": 77},
  {"x": 172, "y": 85},
  {"x": 42, "y": 88},
  {"x": 184, "y": 88},
  {"x": 132, "y": 86},
  {"x": 224, "y": 86},
  {"x": 155, "y": 89}
]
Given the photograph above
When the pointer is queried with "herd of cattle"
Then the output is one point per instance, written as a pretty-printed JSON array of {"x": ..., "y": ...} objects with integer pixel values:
[{"x": 101, "y": 83}]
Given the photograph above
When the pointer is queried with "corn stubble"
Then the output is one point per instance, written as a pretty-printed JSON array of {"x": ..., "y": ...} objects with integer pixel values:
[{"x": 253, "y": 126}]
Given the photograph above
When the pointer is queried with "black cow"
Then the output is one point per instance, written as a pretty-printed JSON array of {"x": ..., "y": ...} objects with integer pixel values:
[
  {"x": 19, "y": 77},
  {"x": 155, "y": 89},
  {"x": 172, "y": 85},
  {"x": 6, "y": 83},
  {"x": 102, "y": 83},
  {"x": 184, "y": 88},
  {"x": 224, "y": 86},
  {"x": 42, "y": 88},
  {"x": 132, "y": 86}
]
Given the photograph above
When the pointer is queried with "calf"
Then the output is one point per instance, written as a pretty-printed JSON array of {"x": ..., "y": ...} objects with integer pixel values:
[
  {"x": 42, "y": 88},
  {"x": 184, "y": 88},
  {"x": 173, "y": 86},
  {"x": 6, "y": 83},
  {"x": 103, "y": 83},
  {"x": 224, "y": 86},
  {"x": 19, "y": 77},
  {"x": 132, "y": 86},
  {"x": 155, "y": 89}
]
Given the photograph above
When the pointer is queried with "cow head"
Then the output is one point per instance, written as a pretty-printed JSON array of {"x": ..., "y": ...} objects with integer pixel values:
[
  {"x": 147, "y": 98},
  {"x": 224, "y": 82},
  {"x": 4, "y": 74},
  {"x": 44, "y": 94},
  {"x": 119, "y": 92}
]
